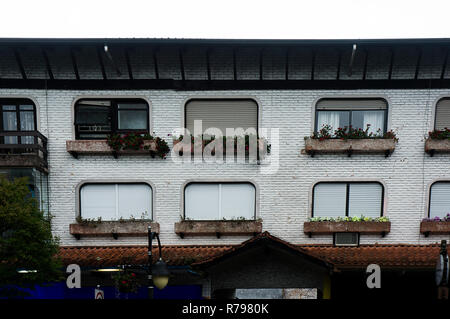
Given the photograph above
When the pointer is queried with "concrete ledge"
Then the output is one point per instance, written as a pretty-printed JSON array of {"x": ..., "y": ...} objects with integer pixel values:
[
  {"x": 101, "y": 147},
  {"x": 438, "y": 228},
  {"x": 350, "y": 146},
  {"x": 437, "y": 146},
  {"x": 113, "y": 228},
  {"x": 346, "y": 227},
  {"x": 218, "y": 228}
]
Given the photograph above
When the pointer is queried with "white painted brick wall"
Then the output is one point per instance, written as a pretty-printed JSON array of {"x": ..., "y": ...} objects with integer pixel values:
[{"x": 284, "y": 197}]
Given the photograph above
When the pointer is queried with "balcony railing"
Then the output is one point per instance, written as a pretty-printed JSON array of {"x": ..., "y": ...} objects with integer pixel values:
[{"x": 23, "y": 149}]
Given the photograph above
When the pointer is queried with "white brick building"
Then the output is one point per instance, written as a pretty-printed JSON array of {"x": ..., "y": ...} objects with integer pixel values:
[{"x": 286, "y": 79}]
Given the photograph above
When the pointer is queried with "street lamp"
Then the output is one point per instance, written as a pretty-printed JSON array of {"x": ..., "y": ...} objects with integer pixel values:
[{"x": 158, "y": 275}]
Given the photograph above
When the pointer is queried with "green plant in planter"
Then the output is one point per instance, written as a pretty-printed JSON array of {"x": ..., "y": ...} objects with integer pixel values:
[
  {"x": 134, "y": 141},
  {"x": 440, "y": 134},
  {"x": 361, "y": 218}
]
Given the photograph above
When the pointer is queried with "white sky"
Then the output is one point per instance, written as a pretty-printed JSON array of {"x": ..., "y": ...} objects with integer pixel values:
[{"x": 244, "y": 19}]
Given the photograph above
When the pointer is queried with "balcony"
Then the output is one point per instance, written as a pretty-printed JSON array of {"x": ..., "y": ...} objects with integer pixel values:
[{"x": 23, "y": 149}]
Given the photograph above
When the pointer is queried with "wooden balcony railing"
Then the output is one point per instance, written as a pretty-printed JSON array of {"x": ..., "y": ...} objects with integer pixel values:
[{"x": 23, "y": 149}]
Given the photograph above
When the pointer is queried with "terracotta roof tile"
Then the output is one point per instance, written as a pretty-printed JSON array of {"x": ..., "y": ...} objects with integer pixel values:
[{"x": 392, "y": 256}]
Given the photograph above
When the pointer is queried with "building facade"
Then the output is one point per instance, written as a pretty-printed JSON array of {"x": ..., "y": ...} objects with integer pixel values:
[{"x": 209, "y": 215}]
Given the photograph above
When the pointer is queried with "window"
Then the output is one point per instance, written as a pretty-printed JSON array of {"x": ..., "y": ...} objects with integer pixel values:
[
  {"x": 339, "y": 199},
  {"x": 355, "y": 112},
  {"x": 222, "y": 114},
  {"x": 116, "y": 201},
  {"x": 442, "y": 119},
  {"x": 97, "y": 118},
  {"x": 216, "y": 201},
  {"x": 439, "y": 199},
  {"x": 17, "y": 115}
]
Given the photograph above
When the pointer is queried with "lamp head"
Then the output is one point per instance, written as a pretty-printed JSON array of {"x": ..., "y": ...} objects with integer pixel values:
[{"x": 160, "y": 274}]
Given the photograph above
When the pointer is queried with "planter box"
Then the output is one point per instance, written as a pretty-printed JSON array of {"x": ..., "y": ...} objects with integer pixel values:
[
  {"x": 350, "y": 146},
  {"x": 346, "y": 227},
  {"x": 262, "y": 147},
  {"x": 437, "y": 146},
  {"x": 101, "y": 147},
  {"x": 218, "y": 228},
  {"x": 113, "y": 228},
  {"x": 438, "y": 228}
]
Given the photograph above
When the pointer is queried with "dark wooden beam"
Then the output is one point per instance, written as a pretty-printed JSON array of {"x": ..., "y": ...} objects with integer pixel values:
[
  {"x": 155, "y": 61},
  {"x": 127, "y": 59},
  {"x": 365, "y": 63},
  {"x": 391, "y": 64},
  {"x": 261, "y": 52},
  {"x": 286, "y": 64},
  {"x": 180, "y": 54},
  {"x": 234, "y": 64},
  {"x": 444, "y": 65},
  {"x": 313, "y": 63},
  {"x": 419, "y": 59},
  {"x": 338, "y": 72},
  {"x": 47, "y": 64},
  {"x": 74, "y": 64},
  {"x": 20, "y": 64},
  {"x": 208, "y": 63},
  {"x": 100, "y": 61}
]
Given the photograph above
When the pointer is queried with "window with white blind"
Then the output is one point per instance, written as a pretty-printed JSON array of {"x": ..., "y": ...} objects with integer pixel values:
[
  {"x": 357, "y": 113},
  {"x": 442, "y": 117},
  {"x": 116, "y": 201},
  {"x": 341, "y": 199},
  {"x": 222, "y": 114},
  {"x": 218, "y": 201},
  {"x": 439, "y": 199}
]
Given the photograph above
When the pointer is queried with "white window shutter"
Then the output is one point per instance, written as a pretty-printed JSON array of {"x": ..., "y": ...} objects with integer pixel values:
[
  {"x": 440, "y": 199},
  {"x": 329, "y": 200},
  {"x": 201, "y": 201},
  {"x": 98, "y": 200},
  {"x": 237, "y": 201},
  {"x": 135, "y": 201},
  {"x": 365, "y": 199}
]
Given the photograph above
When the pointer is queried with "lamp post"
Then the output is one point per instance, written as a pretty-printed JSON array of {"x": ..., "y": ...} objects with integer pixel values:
[
  {"x": 159, "y": 274},
  {"x": 442, "y": 271}
]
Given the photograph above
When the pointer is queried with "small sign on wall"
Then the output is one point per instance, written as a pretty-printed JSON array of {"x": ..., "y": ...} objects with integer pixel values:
[{"x": 98, "y": 293}]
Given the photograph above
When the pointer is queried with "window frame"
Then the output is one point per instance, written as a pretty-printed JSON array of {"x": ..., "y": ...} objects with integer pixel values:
[
  {"x": 114, "y": 114},
  {"x": 231, "y": 99},
  {"x": 17, "y": 102},
  {"x": 429, "y": 194},
  {"x": 435, "y": 110},
  {"x": 316, "y": 111},
  {"x": 347, "y": 194},
  {"x": 214, "y": 183},
  {"x": 152, "y": 201}
]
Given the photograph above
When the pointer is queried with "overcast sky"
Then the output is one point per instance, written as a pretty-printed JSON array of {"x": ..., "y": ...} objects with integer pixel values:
[{"x": 244, "y": 19}]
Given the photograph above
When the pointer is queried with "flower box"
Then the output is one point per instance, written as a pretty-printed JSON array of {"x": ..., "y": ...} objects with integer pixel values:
[
  {"x": 218, "y": 228},
  {"x": 346, "y": 227},
  {"x": 437, "y": 146},
  {"x": 350, "y": 146},
  {"x": 434, "y": 227},
  {"x": 262, "y": 147},
  {"x": 101, "y": 147},
  {"x": 113, "y": 228}
]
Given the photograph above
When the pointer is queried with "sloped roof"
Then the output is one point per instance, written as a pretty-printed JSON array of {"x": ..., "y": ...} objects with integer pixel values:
[{"x": 392, "y": 256}]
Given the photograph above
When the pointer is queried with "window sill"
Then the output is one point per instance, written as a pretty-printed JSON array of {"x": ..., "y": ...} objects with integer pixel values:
[
  {"x": 321, "y": 228},
  {"x": 101, "y": 147},
  {"x": 433, "y": 146},
  {"x": 350, "y": 146},
  {"x": 435, "y": 228},
  {"x": 218, "y": 228},
  {"x": 113, "y": 228}
]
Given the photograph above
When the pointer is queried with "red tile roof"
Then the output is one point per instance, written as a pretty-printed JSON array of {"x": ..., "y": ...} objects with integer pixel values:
[{"x": 387, "y": 256}]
